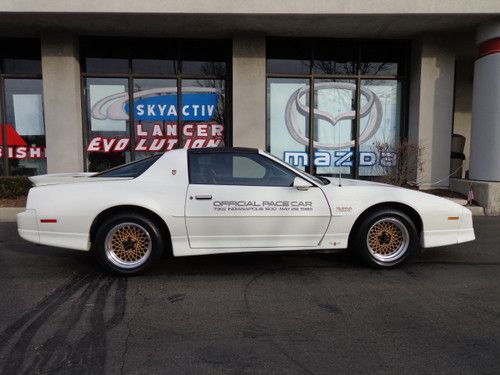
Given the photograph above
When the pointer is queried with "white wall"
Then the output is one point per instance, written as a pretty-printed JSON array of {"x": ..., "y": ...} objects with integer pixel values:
[
  {"x": 255, "y": 6},
  {"x": 431, "y": 107},
  {"x": 249, "y": 91},
  {"x": 62, "y": 103}
]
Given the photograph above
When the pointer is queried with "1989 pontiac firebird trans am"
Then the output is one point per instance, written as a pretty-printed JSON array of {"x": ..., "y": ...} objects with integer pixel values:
[{"x": 228, "y": 200}]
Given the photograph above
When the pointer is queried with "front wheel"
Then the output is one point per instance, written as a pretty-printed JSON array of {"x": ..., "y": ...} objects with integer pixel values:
[
  {"x": 127, "y": 244},
  {"x": 386, "y": 238}
]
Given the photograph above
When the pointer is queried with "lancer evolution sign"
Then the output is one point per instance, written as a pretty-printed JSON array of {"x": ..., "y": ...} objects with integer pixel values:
[{"x": 156, "y": 114}]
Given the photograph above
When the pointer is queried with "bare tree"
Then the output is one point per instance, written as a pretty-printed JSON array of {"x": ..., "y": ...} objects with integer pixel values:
[{"x": 400, "y": 163}]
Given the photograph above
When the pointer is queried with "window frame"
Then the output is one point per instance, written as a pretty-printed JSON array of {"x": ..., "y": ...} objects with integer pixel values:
[
  {"x": 312, "y": 76},
  {"x": 236, "y": 152},
  {"x": 14, "y": 44},
  {"x": 131, "y": 76},
  {"x": 143, "y": 162}
]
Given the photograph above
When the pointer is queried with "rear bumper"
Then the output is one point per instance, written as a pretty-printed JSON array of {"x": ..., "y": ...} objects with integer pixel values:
[
  {"x": 27, "y": 226},
  {"x": 31, "y": 230}
]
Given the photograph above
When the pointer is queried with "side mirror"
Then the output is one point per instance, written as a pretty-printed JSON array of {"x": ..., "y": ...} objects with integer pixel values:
[{"x": 301, "y": 184}]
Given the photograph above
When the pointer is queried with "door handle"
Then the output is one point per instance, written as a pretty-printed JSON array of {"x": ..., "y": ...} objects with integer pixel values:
[{"x": 203, "y": 197}]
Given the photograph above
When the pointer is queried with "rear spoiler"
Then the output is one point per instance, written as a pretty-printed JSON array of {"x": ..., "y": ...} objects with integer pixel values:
[{"x": 60, "y": 178}]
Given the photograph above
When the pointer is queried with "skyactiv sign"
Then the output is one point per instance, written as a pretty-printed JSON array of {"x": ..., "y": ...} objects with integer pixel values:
[{"x": 195, "y": 107}]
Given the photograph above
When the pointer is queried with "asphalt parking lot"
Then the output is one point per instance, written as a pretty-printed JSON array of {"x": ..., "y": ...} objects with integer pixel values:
[{"x": 283, "y": 313}]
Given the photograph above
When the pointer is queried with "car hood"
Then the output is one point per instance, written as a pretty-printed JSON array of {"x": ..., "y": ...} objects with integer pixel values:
[
  {"x": 350, "y": 182},
  {"x": 352, "y": 192}
]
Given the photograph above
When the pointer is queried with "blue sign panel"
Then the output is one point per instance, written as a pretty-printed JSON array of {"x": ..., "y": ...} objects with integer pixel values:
[{"x": 195, "y": 107}]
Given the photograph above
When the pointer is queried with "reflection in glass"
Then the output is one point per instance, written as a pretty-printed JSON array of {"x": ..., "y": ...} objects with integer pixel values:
[
  {"x": 155, "y": 116},
  {"x": 25, "y": 127},
  {"x": 288, "y": 56},
  {"x": 158, "y": 61},
  {"x": 108, "y": 143},
  {"x": 203, "y": 107},
  {"x": 382, "y": 59},
  {"x": 21, "y": 56},
  {"x": 106, "y": 65},
  {"x": 380, "y": 128},
  {"x": 22, "y": 66},
  {"x": 335, "y": 57},
  {"x": 153, "y": 66},
  {"x": 203, "y": 57},
  {"x": 286, "y": 113},
  {"x": 334, "y": 125}
]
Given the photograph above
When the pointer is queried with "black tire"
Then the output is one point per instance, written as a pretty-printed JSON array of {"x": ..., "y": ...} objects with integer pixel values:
[
  {"x": 386, "y": 238},
  {"x": 128, "y": 244}
]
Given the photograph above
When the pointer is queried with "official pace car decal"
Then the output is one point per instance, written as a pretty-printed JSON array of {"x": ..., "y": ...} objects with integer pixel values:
[{"x": 282, "y": 205}]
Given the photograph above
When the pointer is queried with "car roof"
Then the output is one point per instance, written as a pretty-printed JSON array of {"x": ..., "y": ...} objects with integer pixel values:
[{"x": 223, "y": 149}]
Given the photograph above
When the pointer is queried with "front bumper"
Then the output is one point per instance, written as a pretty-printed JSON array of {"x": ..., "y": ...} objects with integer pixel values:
[{"x": 464, "y": 232}]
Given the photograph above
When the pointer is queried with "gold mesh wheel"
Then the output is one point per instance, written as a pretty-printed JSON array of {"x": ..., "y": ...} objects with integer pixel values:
[
  {"x": 128, "y": 245},
  {"x": 387, "y": 239}
]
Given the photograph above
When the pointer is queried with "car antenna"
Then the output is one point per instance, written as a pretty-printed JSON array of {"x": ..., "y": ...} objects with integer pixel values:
[{"x": 338, "y": 139}]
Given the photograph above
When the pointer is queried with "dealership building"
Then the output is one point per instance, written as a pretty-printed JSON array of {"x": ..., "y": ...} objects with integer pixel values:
[{"x": 328, "y": 86}]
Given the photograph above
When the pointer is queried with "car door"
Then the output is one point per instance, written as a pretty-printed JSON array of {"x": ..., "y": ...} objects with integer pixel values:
[{"x": 243, "y": 199}]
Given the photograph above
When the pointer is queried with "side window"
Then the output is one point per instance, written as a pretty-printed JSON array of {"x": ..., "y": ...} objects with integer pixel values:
[
  {"x": 244, "y": 167},
  {"x": 134, "y": 169},
  {"x": 232, "y": 168}
]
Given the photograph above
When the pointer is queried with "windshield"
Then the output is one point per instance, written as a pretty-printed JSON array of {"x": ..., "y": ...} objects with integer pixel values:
[
  {"x": 134, "y": 169},
  {"x": 318, "y": 179}
]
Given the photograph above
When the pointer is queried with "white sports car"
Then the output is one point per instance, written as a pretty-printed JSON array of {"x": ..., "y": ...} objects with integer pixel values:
[{"x": 207, "y": 201}]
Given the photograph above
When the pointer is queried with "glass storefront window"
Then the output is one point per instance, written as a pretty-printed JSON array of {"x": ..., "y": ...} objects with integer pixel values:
[
  {"x": 108, "y": 137},
  {"x": 357, "y": 96},
  {"x": 382, "y": 58},
  {"x": 380, "y": 124},
  {"x": 338, "y": 57},
  {"x": 148, "y": 61},
  {"x": 22, "y": 127},
  {"x": 200, "y": 57},
  {"x": 25, "y": 128},
  {"x": 288, "y": 56},
  {"x": 155, "y": 116},
  {"x": 288, "y": 120},
  {"x": 21, "y": 56},
  {"x": 110, "y": 55},
  {"x": 334, "y": 121},
  {"x": 178, "y": 98},
  {"x": 203, "y": 109}
]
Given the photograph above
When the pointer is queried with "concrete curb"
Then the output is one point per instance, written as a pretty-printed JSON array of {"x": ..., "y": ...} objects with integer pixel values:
[
  {"x": 8, "y": 214},
  {"x": 486, "y": 193}
]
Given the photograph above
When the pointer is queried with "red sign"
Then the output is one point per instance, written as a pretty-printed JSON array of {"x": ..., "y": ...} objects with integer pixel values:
[
  {"x": 158, "y": 138},
  {"x": 17, "y": 147}
]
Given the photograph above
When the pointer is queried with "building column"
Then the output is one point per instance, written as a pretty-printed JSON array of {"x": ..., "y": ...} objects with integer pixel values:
[
  {"x": 62, "y": 103},
  {"x": 249, "y": 91},
  {"x": 485, "y": 138},
  {"x": 431, "y": 107}
]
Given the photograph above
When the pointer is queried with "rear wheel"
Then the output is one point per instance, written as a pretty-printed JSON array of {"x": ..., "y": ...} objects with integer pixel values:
[
  {"x": 127, "y": 244},
  {"x": 386, "y": 238}
]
